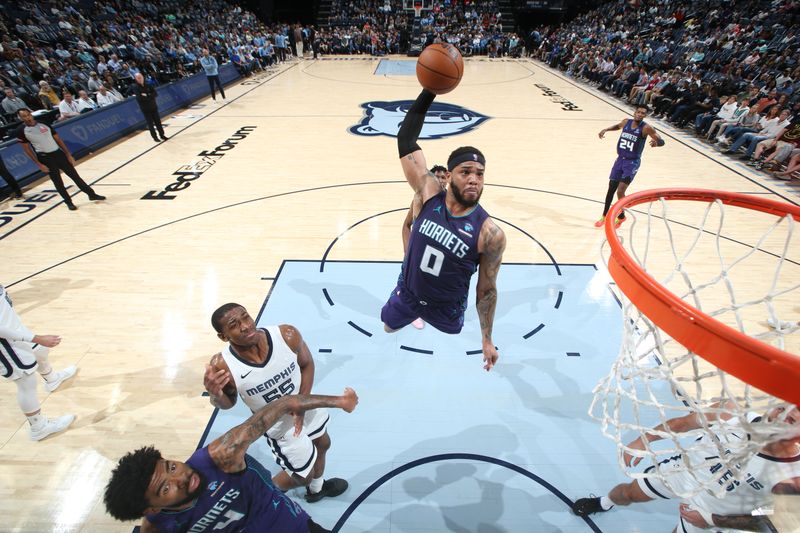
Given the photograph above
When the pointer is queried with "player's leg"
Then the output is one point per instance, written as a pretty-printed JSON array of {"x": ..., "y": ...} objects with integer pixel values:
[
  {"x": 397, "y": 312},
  {"x": 613, "y": 183},
  {"x": 448, "y": 318},
  {"x": 318, "y": 487},
  {"x": 19, "y": 364},
  {"x": 623, "y": 186},
  {"x": 53, "y": 379},
  {"x": 623, "y": 494}
]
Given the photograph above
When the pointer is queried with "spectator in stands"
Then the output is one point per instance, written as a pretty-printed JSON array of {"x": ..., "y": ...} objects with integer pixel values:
[
  {"x": 102, "y": 66},
  {"x": 749, "y": 121},
  {"x": 68, "y": 107},
  {"x": 47, "y": 95},
  {"x": 125, "y": 74},
  {"x": 722, "y": 123},
  {"x": 85, "y": 104},
  {"x": 94, "y": 83},
  {"x": 791, "y": 168},
  {"x": 12, "y": 103},
  {"x": 105, "y": 97},
  {"x": 771, "y": 130}
]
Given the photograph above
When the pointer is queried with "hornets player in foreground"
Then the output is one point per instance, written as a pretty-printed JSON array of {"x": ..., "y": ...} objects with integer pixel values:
[
  {"x": 219, "y": 488},
  {"x": 452, "y": 236},
  {"x": 629, "y": 156}
]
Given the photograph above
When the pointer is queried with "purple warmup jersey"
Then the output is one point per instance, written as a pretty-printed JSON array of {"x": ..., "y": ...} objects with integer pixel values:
[
  {"x": 442, "y": 253},
  {"x": 243, "y": 502},
  {"x": 631, "y": 141}
]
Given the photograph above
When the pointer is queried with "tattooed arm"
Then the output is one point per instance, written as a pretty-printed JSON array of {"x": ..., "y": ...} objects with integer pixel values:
[
  {"x": 491, "y": 244},
  {"x": 743, "y": 522},
  {"x": 228, "y": 451}
]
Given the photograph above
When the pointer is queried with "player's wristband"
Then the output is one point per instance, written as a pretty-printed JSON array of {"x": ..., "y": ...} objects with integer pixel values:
[{"x": 660, "y": 142}]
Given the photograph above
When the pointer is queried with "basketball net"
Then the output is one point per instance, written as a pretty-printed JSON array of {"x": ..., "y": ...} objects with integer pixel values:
[
  {"x": 417, "y": 11},
  {"x": 735, "y": 270}
]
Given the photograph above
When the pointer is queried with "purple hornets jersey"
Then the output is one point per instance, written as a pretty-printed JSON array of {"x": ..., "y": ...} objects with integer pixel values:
[
  {"x": 631, "y": 141},
  {"x": 241, "y": 502},
  {"x": 442, "y": 253}
]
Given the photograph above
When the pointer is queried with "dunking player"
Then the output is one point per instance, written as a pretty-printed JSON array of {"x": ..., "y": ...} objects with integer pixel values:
[
  {"x": 451, "y": 237},
  {"x": 413, "y": 212},
  {"x": 220, "y": 487},
  {"x": 629, "y": 157},
  {"x": 261, "y": 365},
  {"x": 775, "y": 470}
]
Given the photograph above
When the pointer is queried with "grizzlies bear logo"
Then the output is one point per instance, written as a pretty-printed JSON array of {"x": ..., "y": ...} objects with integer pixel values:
[{"x": 442, "y": 120}]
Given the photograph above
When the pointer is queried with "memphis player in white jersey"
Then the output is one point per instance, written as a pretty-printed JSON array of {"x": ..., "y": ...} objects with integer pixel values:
[
  {"x": 260, "y": 365},
  {"x": 774, "y": 470},
  {"x": 21, "y": 354}
]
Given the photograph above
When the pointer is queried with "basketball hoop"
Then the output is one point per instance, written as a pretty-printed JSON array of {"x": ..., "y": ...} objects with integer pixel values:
[{"x": 696, "y": 302}]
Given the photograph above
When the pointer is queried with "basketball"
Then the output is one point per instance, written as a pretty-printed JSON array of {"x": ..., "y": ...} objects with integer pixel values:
[{"x": 440, "y": 67}]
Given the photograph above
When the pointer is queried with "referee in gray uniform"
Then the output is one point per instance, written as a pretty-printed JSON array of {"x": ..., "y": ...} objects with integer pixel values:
[{"x": 51, "y": 155}]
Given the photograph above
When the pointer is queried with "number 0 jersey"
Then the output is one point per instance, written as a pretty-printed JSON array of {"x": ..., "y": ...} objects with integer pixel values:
[
  {"x": 442, "y": 253},
  {"x": 257, "y": 385},
  {"x": 631, "y": 141},
  {"x": 232, "y": 503}
]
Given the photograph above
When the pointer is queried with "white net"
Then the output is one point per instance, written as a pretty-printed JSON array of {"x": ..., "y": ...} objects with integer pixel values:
[{"x": 740, "y": 266}]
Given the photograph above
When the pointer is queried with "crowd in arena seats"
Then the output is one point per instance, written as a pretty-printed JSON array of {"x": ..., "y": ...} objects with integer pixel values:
[
  {"x": 727, "y": 71},
  {"x": 50, "y": 49},
  {"x": 381, "y": 27}
]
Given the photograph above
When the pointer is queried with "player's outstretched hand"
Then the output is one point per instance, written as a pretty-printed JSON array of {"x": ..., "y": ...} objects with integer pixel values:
[
  {"x": 629, "y": 458},
  {"x": 490, "y": 356},
  {"x": 693, "y": 517},
  {"x": 349, "y": 400},
  {"x": 601, "y": 134},
  {"x": 50, "y": 341},
  {"x": 215, "y": 379}
]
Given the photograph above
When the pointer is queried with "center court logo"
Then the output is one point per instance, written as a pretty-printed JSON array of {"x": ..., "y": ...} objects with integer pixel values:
[{"x": 442, "y": 120}]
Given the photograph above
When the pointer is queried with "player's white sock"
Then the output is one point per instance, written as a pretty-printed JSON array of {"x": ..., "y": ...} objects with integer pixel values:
[
  {"x": 37, "y": 421},
  {"x": 316, "y": 485},
  {"x": 606, "y": 503}
]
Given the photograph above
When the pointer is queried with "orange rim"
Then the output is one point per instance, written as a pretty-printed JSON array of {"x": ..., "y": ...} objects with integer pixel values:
[{"x": 767, "y": 368}]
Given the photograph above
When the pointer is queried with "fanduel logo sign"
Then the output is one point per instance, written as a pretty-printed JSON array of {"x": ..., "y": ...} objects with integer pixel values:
[
  {"x": 186, "y": 174},
  {"x": 442, "y": 120}
]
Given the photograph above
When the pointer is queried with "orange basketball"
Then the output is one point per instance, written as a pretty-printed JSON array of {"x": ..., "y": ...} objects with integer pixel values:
[{"x": 440, "y": 67}]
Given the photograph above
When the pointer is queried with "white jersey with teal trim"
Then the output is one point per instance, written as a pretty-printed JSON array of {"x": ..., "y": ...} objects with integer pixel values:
[
  {"x": 257, "y": 385},
  {"x": 11, "y": 327}
]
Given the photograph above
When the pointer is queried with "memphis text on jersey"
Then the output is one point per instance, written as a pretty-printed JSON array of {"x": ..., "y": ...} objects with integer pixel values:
[
  {"x": 444, "y": 236},
  {"x": 283, "y": 380}
]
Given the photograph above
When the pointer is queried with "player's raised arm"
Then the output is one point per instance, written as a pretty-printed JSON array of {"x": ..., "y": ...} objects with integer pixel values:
[
  {"x": 615, "y": 127},
  {"x": 411, "y": 157},
  {"x": 228, "y": 451},
  {"x": 491, "y": 246}
]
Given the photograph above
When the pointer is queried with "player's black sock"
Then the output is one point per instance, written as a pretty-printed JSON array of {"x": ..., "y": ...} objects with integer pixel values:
[
  {"x": 412, "y": 124},
  {"x": 612, "y": 189}
]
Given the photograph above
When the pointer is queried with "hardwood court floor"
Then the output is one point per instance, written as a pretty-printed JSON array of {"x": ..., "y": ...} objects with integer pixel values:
[{"x": 130, "y": 283}]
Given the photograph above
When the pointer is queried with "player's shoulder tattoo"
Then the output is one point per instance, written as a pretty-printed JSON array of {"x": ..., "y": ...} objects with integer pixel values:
[{"x": 493, "y": 239}]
